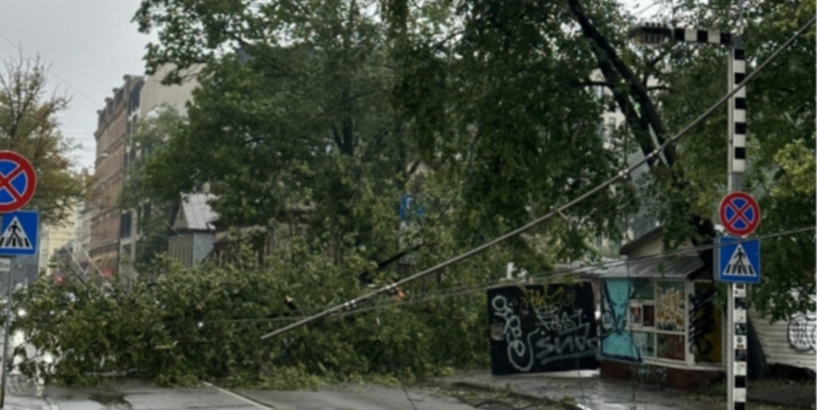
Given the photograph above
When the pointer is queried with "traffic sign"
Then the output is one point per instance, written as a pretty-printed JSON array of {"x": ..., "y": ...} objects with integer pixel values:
[
  {"x": 19, "y": 232},
  {"x": 740, "y": 213},
  {"x": 17, "y": 181},
  {"x": 408, "y": 205},
  {"x": 5, "y": 265},
  {"x": 738, "y": 261}
]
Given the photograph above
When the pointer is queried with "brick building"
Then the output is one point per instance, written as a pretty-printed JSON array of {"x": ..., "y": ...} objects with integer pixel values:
[{"x": 111, "y": 136}]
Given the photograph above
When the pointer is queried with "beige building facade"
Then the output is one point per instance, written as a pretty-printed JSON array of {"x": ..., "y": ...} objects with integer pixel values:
[
  {"x": 152, "y": 95},
  {"x": 51, "y": 239},
  {"x": 112, "y": 130}
]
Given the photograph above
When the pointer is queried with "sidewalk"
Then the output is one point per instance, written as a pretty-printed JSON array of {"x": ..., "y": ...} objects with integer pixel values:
[
  {"x": 21, "y": 394},
  {"x": 588, "y": 391}
]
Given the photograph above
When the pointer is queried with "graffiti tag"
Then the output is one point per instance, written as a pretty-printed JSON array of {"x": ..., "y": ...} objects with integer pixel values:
[
  {"x": 802, "y": 333},
  {"x": 572, "y": 339},
  {"x": 649, "y": 374},
  {"x": 518, "y": 349},
  {"x": 670, "y": 313},
  {"x": 702, "y": 316},
  {"x": 548, "y": 303},
  {"x": 539, "y": 328}
]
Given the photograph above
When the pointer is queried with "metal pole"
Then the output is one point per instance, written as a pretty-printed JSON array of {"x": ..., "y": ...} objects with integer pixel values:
[
  {"x": 737, "y": 338},
  {"x": 6, "y": 331}
]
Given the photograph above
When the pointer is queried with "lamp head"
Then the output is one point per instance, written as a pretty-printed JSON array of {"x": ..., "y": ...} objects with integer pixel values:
[{"x": 650, "y": 34}]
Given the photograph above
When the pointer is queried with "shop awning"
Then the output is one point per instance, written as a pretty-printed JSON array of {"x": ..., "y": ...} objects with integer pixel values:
[{"x": 654, "y": 267}]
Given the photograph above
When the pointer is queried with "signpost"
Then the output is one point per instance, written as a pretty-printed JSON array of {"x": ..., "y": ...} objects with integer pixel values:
[
  {"x": 18, "y": 230},
  {"x": 738, "y": 264}
]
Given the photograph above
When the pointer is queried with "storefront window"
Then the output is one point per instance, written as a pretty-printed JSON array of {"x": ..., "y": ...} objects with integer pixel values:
[{"x": 657, "y": 317}]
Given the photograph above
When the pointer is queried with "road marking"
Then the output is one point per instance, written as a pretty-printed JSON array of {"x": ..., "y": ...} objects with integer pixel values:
[{"x": 239, "y": 397}]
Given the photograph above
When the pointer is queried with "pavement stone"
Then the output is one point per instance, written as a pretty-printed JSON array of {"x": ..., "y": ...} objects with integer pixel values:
[
  {"x": 590, "y": 392},
  {"x": 20, "y": 385},
  {"x": 801, "y": 396}
]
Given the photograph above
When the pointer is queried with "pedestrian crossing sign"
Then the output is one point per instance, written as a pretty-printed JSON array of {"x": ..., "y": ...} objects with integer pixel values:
[
  {"x": 738, "y": 260},
  {"x": 18, "y": 233}
]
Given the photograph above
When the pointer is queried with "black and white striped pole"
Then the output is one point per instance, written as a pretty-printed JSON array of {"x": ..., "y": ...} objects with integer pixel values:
[{"x": 737, "y": 338}]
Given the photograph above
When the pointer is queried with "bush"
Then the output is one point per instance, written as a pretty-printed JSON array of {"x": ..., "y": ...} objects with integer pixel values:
[{"x": 205, "y": 323}]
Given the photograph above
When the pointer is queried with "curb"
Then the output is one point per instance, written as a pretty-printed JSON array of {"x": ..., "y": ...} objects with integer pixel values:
[
  {"x": 517, "y": 395},
  {"x": 239, "y": 396}
]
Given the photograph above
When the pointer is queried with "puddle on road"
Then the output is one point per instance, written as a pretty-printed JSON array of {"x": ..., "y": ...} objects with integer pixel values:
[{"x": 111, "y": 400}]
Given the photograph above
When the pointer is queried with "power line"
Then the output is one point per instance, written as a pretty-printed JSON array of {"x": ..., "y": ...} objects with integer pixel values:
[
  {"x": 546, "y": 276},
  {"x": 96, "y": 104},
  {"x": 552, "y": 213},
  {"x": 480, "y": 287}
]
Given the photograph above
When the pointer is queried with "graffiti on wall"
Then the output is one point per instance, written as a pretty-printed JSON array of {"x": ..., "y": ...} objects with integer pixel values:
[
  {"x": 702, "y": 324},
  {"x": 670, "y": 308},
  {"x": 616, "y": 340},
  {"x": 802, "y": 333},
  {"x": 649, "y": 374},
  {"x": 539, "y": 328}
]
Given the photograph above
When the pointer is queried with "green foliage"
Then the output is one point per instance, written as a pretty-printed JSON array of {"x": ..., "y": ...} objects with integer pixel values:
[
  {"x": 156, "y": 211},
  {"x": 297, "y": 133},
  {"x": 30, "y": 127},
  {"x": 324, "y": 113},
  {"x": 205, "y": 323}
]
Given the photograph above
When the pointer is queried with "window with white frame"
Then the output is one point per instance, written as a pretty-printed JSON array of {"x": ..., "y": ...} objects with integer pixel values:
[{"x": 657, "y": 318}]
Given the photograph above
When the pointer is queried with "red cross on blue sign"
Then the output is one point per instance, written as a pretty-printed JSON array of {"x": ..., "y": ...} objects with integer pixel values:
[
  {"x": 17, "y": 181},
  {"x": 739, "y": 213}
]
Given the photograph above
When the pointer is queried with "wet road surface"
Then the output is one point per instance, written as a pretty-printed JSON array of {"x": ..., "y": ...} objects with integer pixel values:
[{"x": 137, "y": 396}]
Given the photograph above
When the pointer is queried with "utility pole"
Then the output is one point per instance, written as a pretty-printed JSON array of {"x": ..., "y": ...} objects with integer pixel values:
[
  {"x": 736, "y": 158},
  {"x": 655, "y": 34},
  {"x": 6, "y": 331}
]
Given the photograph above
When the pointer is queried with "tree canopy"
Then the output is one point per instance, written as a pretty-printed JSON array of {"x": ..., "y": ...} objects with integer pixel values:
[
  {"x": 325, "y": 104},
  {"x": 30, "y": 127},
  {"x": 157, "y": 214}
]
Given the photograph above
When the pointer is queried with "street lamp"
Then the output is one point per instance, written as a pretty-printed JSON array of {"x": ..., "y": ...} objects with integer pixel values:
[{"x": 652, "y": 34}]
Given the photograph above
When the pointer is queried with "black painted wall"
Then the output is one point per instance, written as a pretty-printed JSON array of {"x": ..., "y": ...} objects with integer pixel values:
[{"x": 542, "y": 328}]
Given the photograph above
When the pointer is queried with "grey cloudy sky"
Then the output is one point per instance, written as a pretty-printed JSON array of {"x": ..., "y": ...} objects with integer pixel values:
[{"x": 89, "y": 44}]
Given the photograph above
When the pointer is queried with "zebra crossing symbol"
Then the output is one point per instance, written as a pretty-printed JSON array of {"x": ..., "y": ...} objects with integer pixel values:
[
  {"x": 738, "y": 260},
  {"x": 19, "y": 233},
  {"x": 739, "y": 264},
  {"x": 15, "y": 237}
]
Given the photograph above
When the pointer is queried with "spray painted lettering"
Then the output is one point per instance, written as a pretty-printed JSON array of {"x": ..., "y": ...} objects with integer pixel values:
[
  {"x": 669, "y": 312},
  {"x": 802, "y": 333},
  {"x": 702, "y": 317},
  {"x": 546, "y": 328},
  {"x": 649, "y": 374},
  {"x": 519, "y": 352}
]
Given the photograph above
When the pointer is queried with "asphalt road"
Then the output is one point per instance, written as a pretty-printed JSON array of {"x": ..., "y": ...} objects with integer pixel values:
[
  {"x": 356, "y": 397},
  {"x": 135, "y": 396}
]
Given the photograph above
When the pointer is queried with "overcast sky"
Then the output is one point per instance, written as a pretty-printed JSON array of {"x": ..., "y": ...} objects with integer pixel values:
[{"x": 89, "y": 44}]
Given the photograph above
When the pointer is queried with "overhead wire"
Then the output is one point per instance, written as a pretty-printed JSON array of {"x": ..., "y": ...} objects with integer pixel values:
[
  {"x": 557, "y": 274},
  {"x": 527, "y": 227},
  {"x": 51, "y": 72}
]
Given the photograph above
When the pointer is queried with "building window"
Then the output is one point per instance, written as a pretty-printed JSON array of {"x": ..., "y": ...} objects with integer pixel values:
[
  {"x": 657, "y": 318},
  {"x": 126, "y": 224}
]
